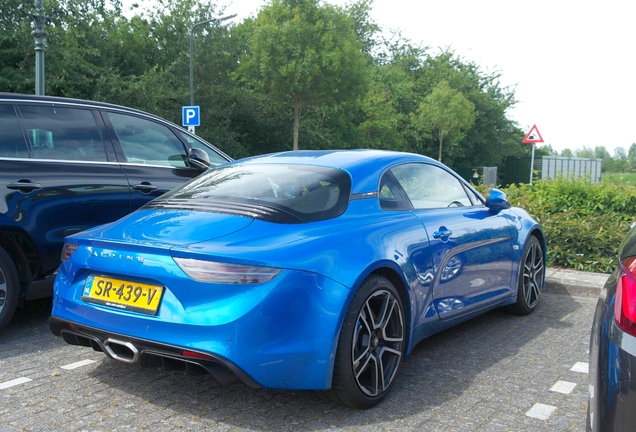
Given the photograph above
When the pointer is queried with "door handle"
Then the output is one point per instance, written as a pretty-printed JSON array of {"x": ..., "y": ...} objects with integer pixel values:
[
  {"x": 145, "y": 187},
  {"x": 443, "y": 233},
  {"x": 24, "y": 185}
]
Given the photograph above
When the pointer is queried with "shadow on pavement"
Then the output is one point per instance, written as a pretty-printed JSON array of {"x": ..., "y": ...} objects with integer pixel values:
[
  {"x": 495, "y": 349},
  {"x": 31, "y": 320}
]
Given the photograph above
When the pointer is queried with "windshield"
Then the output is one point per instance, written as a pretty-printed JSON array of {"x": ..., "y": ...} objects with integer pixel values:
[{"x": 305, "y": 193}]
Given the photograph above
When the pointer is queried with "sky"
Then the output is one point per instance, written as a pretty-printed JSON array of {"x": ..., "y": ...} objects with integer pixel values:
[{"x": 571, "y": 63}]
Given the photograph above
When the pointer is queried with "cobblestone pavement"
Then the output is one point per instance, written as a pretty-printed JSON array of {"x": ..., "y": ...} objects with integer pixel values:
[{"x": 497, "y": 372}]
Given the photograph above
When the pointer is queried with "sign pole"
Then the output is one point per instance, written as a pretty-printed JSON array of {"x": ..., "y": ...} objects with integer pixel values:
[
  {"x": 531, "y": 164},
  {"x": 532, "y": 138}
]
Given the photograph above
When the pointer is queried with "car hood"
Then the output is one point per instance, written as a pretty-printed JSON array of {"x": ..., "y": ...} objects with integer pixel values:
[{"x": 169, "y": 228}]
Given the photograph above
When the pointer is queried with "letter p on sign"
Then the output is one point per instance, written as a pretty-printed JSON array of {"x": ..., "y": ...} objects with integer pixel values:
[{"x": 190, "y": 116}]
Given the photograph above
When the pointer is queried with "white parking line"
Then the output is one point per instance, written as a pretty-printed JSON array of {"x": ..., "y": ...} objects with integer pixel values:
[
  {"x": 564, "y": 387},
  {"x": 582, "y": 367},
  {"x": 77, "y": 364},
  {"x": 540, "y": 411},
  {"x": 14, "y": 382}
]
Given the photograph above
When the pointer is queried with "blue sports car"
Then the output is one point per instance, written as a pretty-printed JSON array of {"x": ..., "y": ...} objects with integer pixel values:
[{"x": 300, "y": 270}]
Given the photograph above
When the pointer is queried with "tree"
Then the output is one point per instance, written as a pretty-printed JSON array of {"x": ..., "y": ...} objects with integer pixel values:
[
  {"x": 584, "y": 152},
  {"x": 616, "y": 164},
  {"x": 600, "y": 152},
  {"x": 363, "y": 25},
  {"x": 385, "y": 109},
  {"x": 545, "y": 150},
  {"x": 631, "y": 156},
  {"x": 17, "y": 58},
  {"x": 307, "y": 53},
  {"x": 493, "y": 136},
  {"x": 446, "y": 111}
]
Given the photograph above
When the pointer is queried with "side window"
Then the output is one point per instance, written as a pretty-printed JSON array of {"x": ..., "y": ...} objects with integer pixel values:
[
  {"x": 475, "y": 198},
  {"x": 63, "y": 133},
  {"x": 428, "y": 186},
  {"x": 12, "y": 143},
  {"x": 215, "y": 158},
  {"x": 391, "y": 195},
  {"x": 147, "y": 142}
]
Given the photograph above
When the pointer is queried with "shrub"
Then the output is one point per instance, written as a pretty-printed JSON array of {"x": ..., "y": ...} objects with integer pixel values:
[{"x": 584, "y": 223}]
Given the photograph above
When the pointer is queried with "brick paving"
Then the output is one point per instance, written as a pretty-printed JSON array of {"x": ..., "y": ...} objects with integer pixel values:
[{"x": 497, "y": 372}]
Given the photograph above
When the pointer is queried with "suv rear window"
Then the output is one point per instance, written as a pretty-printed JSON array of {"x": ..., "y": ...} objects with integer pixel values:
[{"x": 287, "y": 193}]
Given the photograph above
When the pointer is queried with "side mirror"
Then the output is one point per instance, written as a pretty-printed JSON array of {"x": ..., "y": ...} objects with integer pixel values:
[
  {"x": 198, "y": 159},
  {"x": 496, "y": 201}
]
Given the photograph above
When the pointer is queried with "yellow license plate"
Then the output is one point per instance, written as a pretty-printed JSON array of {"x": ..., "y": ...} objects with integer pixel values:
[{"x": 122, "y": 294}]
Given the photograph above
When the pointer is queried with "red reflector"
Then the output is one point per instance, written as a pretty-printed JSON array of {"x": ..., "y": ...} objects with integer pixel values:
[
  {"x": 625, "y": 301},
  {"x": 196, "y": 355},
  {"x": 71, "y": 326},
  {"x": 67, "y": 251}
]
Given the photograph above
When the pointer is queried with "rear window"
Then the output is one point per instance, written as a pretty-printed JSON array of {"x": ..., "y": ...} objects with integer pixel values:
[{"x": 297, "y": 193}]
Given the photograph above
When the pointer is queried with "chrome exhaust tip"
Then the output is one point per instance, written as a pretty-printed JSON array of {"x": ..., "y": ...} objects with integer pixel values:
[{"x": 121, "y": 350}]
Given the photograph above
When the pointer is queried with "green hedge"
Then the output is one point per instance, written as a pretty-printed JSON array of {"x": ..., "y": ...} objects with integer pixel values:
[{"x": 584, "y": 223}]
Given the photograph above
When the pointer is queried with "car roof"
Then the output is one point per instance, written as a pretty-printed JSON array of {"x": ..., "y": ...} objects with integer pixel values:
[
  {"x": 364, "y": 165},
  {"x": 343, "y": 159},
  {"x": 20, "y": 97}
]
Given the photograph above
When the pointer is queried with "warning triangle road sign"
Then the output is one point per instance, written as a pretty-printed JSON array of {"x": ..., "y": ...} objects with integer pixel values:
[{"x": 533, "y": 136}]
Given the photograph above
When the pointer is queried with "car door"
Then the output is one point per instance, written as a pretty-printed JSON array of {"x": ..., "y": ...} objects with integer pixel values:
[
  {"x": 152, "y": 156},
  {"x": 58, "y": 176},
  {"x": 470, "y": 248}
]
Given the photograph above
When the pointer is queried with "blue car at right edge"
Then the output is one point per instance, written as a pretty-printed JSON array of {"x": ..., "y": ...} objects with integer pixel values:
[{"x": 612, "y": 405}]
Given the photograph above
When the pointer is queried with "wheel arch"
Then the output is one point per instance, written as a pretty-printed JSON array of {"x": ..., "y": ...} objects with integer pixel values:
[
  {"x": 390, "y": 271},
  {"x": 335, "y": 375},
  {"x": 397, "y": 280},
  {"x": 23, "y": 268},
  {"x": 537, "y": 232},
  {"x": 393, "y": 273}
]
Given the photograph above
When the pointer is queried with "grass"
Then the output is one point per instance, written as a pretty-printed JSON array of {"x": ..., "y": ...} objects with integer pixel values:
[{"x": 619, "y": 178}]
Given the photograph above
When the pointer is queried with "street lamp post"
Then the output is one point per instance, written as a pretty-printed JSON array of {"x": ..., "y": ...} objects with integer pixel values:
[
  {"x": 191, "y": 60},
  {"x": 39, "y": 35}
]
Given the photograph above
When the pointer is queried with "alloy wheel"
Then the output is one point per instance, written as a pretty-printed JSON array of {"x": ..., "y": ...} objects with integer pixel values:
[
  {"x": 533, "y": 271},
  {"x": 378, "y": 341}
]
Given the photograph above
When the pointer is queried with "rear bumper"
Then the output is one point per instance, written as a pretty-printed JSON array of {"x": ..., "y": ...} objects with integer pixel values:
[
  {"x": 150, "y": 354},
  {"x": 280, "y": 335}
]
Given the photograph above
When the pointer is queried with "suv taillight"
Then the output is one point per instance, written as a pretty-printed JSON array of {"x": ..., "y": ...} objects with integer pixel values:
[
  {"x": 67, "y": 251},
  {"x": 625, "y": 301}
]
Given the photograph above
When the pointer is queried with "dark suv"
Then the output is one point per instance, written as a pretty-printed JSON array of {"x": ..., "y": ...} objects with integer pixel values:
[{"x": 67, "y": 165}]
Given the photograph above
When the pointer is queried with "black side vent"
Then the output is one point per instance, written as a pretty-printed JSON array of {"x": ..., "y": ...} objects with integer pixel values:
[{"x": 238, "y": 208}]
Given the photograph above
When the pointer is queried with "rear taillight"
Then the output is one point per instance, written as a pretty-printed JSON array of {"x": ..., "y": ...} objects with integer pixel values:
[
  {"x": 225, "y": 273},
  {"x": 625, "y": 301},
  {"x": 67, "y": 251}
]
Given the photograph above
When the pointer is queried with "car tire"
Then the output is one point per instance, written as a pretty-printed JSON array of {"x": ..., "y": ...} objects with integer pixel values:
[
  {"x": 531, "y": 278},
  {"x": 372, "y": 335},
  {"x": 9, "y": 288}
]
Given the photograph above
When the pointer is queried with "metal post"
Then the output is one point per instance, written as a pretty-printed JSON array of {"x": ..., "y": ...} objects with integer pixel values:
[
  {"x": 39, "y": 34},
  {"x": 191, "y": 59},
  {"x": 532, "y": 164}
]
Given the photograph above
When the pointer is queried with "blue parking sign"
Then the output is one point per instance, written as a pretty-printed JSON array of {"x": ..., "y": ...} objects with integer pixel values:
[{"x": 190, "y": 116}]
